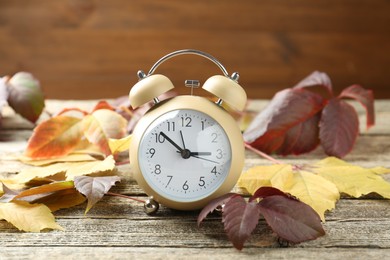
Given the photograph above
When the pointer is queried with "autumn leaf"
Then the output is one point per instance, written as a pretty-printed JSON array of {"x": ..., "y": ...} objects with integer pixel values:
[
  {"x": 313, "y": 190},
  {"x": 119, "y": 145},
  {"x": 288, "y": 217},
  {"x": 297, "y": 120},
  {"x": 69, "y": 169},
  {"x": 62, "y": 199},
  {"x": 288, "y": 108},
  {"x": 240, "y": 219},
  {"x": 55, "y": 137},
  {"x": 318, "y": 185},
  {"x": 292, "y": 220},
  {"x": 339, "y": 127},
  {"x": 212, "y": 205},
  {"x": 102, "y": 125},
  {"x": 351, "y": 179},
  {"x": 94, "y": 188},
  {"x": 25, "y": 95},
  {"x": 28, "y": 217},
  {"x": 74, "y": 157}
]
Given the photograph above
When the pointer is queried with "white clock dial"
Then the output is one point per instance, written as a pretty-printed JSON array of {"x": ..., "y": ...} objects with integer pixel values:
[{"x": 185, "y": 155}]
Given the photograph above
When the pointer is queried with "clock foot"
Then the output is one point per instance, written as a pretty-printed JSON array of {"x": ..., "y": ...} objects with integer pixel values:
[{"x": 151, "y": 206}]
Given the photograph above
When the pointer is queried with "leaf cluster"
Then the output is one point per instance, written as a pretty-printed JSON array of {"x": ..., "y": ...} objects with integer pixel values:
[
  {"x": 41, "y": 190},
  {"x": 297, "y": 120},
  {"x": 23, "y": 94},
  {"x": 291, "y": 219}
]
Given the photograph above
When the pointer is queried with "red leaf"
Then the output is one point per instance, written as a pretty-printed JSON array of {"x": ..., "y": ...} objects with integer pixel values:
[
  {"x": 316, "y": 78},
  {"x": 339, "y": 127},
  {"x": 240, "y": 219},
  {"x": 55, "y": 137},
  {"x": 215, "y": 203},
  {"x": 287, "y": 109},
  {"x": 290, "y": 219},
  {"x": 301, "y": 138},
  {"x": 365, "y": 97},
  {"x": 266, "y": 191}
]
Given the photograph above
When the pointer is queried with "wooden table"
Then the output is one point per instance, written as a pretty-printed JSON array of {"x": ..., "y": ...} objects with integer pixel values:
[{"x": 116, "y": 228}]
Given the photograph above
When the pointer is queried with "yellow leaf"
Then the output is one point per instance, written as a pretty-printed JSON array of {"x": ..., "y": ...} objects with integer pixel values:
[
  {"x": 67, "y": 158},
  {"x": 277, "y": 176},
  {"x": 351, "y": 179},
  {"x": 315, "y": 191},
  {"x": 318, "y": 185},
  {"x": 90, "y": 167},
  {"x": 71, "y": 169},
  {"x": 28, "y": 217},
  {"x": 119, "y": 145},
  {"x": 62, "y": 199}
]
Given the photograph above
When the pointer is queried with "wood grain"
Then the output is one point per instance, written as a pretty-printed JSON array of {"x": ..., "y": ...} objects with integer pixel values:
[{"x": 92, "y": 49}]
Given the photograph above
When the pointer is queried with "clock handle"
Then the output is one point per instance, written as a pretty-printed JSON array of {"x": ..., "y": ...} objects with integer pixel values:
[{"x": 150, "y": 86}]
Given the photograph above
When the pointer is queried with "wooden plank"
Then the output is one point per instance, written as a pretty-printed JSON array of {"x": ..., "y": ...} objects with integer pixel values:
[
  {"x": 115, "y": 222},
  {"x": 98, "y": 46},
  {"x": 190, "y": 253}
]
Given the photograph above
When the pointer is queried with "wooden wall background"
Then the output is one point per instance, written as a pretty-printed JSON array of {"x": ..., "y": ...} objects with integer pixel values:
[{"x": 93, "y": 48}]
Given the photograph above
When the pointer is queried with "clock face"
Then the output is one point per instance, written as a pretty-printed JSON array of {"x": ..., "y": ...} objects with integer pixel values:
[{"x": 184, "y": 155}]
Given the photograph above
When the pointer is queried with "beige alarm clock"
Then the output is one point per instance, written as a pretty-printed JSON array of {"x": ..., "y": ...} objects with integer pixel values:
[{"x": 186, "y": 150}]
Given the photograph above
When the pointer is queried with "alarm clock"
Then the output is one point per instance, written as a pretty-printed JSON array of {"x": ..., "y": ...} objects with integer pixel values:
[{"x": 186, "y": 150}]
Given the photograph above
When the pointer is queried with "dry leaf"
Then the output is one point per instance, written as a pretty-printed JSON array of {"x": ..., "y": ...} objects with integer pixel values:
[
  {"x": 94, "y": 188},
  {"x": 28, "y": 217},
  {"x": 351, "y": 179},
  {"x": 88, "y": 168},
  {"x": 119, "y": 145},
  {"x": 62, "y": 199},
  {"x": 70, "y": 169},
  {"x": 320, "y": 184},
  {"x": 102, "y": 125},
  {"x": 75, "y": 157},
  {"x": 55, "y": 137}
]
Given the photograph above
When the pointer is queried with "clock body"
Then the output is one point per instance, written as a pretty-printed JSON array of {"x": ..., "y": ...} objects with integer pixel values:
[{"x": 186, "y": 151}]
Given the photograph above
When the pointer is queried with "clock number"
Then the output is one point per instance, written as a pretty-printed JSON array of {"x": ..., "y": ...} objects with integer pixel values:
[
  {"x": 214, "y": 170},
  {"x": 170, "y": 178},
  {"x": 185, "y": 186},
  {"x": 219, "y": 154},
  {"x": 202, "y": 125},
  {"x": 214, "y": 136},
  {"x": 159, "y": 138},
  {"x": 186, "y": 121},
  {"x": 157, "y": 169},
  {"x": 201, "y": 181},
  {"x": 171, "y": 126},
  {"x": 152, "y": 151}
]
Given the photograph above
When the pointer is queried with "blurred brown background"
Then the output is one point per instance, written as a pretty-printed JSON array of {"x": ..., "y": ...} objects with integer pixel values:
[{"x": 81, "y": 49}]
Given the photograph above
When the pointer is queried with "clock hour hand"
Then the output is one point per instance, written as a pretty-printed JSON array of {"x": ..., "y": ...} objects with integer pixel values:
[
  {"x": 199, "y": 153},
  {"x": 172, "y": 142}
]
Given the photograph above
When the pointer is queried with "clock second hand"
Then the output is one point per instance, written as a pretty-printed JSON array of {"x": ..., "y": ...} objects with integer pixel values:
[{"x": 204, "y": 159}]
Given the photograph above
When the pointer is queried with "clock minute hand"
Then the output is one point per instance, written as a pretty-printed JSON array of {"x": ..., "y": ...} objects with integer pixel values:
[{"x": 171, "y": 141}]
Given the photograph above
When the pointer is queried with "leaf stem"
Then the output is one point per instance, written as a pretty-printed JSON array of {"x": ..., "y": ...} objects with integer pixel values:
[
  {"x": 127, "y": 111},
  {"x": 260, "y": 153},
  {"x": 124, "y": 196}
]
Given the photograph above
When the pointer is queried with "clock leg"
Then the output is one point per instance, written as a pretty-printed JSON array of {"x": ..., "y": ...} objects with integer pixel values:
[{"x": 151, "y": 206}]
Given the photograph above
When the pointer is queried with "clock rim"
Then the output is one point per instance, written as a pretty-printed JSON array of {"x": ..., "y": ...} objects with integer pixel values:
[{"x": 223, "y": 118}]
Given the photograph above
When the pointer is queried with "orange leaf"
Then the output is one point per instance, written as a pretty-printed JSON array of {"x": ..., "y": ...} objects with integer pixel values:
[
  {"x": 54, "y": 137},
  {"x": 102, "y": 125}
]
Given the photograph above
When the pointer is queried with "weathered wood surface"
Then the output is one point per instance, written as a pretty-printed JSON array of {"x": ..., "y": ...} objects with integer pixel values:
[
  {"x": 93, "y": 49},
  {"x": 117, "y": 228}
]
